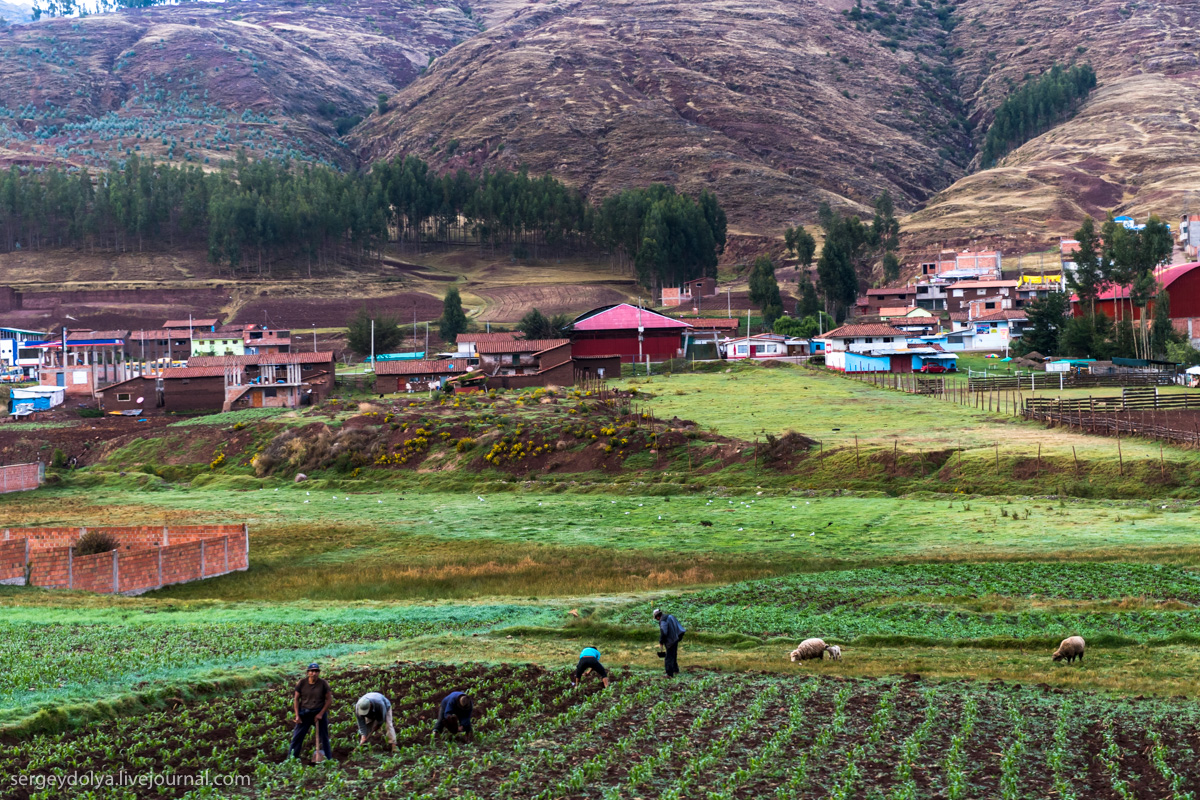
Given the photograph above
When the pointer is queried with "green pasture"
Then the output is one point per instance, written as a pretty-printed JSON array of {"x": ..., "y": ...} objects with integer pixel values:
[{"x": 748, "y": 403}]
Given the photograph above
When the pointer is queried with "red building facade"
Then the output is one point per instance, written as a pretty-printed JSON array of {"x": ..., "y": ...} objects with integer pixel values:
[
  {"x": 627, "y": 331},
  {"x": 1181, "y": 282}
]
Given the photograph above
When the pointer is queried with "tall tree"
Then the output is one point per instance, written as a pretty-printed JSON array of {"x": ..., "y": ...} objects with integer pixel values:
[
  {"x": 801, "y": 244},
  {"x": 536, "y": 325},
  {"x": 387, "y": 332},
  {"x": 1091, "y": 267},
  {"x": 454, "y": 319},
  {"x": 1047, "y": 318},
  {"x": 764, "y": 290}
]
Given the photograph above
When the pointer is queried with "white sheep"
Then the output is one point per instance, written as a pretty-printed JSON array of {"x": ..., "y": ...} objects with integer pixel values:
[
  {"x": 1070, "y": 648},
  {"x": 809, "y": 648},
  {"x": 835, "y": 652}
]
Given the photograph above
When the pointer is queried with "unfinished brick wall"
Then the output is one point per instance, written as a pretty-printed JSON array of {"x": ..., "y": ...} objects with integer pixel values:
[
  {"x": 20, "y": 477},
  {"x": 140, "y": 563}
]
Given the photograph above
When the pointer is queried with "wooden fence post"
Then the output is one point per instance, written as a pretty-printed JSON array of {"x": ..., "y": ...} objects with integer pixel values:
[{"x": 1074, "y": 456}]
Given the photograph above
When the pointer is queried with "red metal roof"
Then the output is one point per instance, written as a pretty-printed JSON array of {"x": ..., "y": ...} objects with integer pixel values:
[
  {"x": 519, "y": 346},
  {"x": 624, "y": 316},
  {"x": 444, "y": 367},
  {"x": 1166, "y": 277}
]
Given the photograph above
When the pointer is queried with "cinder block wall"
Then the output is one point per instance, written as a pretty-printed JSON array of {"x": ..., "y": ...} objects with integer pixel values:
[
  {"x": 20, "y": 477},
  {"x": 147, "y": 557}
]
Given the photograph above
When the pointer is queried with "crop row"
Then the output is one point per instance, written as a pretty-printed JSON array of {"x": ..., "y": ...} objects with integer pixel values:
[
  {"x": 707, "y": 736},
  {"x": 44, "y": 659}
]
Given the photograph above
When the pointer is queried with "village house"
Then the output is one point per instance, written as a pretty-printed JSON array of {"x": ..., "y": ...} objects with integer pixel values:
[
  {"x": 522, "y": 356},
  {"x": 91, "y": 361},
  {"x": 316, "y": 370},
  {"x": 225, "y": 341},
  {"x": 468, "y": 342},
  {"x": 762, "y": 345},
  {"x": 629, "y": 331},
  {"x": 417, "y": 376},
  {"x": 261, "y": 340}
]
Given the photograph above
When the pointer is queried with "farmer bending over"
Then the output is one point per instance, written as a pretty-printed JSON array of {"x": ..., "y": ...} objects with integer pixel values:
[
  {"x": 589, "y": 660},
  {"x": 373, "y": 711},
  {"x": 311, "y": 701},
  {"x": 454, "y": 714}
]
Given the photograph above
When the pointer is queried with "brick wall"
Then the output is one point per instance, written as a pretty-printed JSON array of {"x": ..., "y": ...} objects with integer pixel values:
[
  {"x": 142, "y": 562},
  {"x": 51, "y": 567},
  {"x": 93, "y": 573},
  {"x": 12, "y": 560},
  {"x": 138, "y": 570},
  {"x": 20, "y": 477}
]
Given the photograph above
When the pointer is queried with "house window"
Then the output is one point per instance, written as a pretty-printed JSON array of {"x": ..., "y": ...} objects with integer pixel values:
[
  {"x": 123, "y": 397},
  {"x": 887, "y": 339},
  {"x": 743, "y": 349},
  {"x": 516, "y": 358},
  {"x": 186, "y": 380},
  {"x": 981, "y": 292},
  {"x": 270, "y": 392},
  {"x": 958, "y": 292},
  {"x": 989, "y": 305},
  {"x": 870, "y": 340}
]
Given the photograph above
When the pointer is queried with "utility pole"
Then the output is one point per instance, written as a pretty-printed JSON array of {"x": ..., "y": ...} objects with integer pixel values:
[
  {"x": 427, "y": 339},
  {"x": 728, "y": 302},
  {"x": 372, "y": 345},
  {"x": 314, "y": 327}
]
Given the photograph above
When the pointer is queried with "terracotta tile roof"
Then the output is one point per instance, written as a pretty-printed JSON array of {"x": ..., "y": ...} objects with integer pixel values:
[
  {"x": 440, "y": 367},
  {"x": 712, "y": 323},
  {"x": 83, "y": 336},
  {"x": 1003, "y": 314},
  {"x": 624, "y": 316},
  {"x": 304, "y": 357},
  {"x": 500, "y": 336},
  {"x": 893, "y": 290},
  {"x": 158, "y": 334},
  {"x": 193, "y": 372},
  {"x": 519, "y": 346},
  {"x": 851, "y": 331}
]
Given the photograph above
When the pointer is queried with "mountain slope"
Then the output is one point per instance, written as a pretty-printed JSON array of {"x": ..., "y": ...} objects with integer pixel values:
[
  {"x": 776, "y": 105},
  {"x": 1132, "y": 147},
  {"x": 199, "y": 80}
]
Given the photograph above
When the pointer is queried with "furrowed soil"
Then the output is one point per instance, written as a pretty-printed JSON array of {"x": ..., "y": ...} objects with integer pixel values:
[{"x": 535, "y": 734}]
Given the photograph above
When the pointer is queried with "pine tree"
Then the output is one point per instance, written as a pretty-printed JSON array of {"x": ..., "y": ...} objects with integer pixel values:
[{"x": 454, "y": 319}]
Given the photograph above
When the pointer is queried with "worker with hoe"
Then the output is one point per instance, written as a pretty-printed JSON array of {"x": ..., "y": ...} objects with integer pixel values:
[
  {"x": 311, "y": 701},
  {"x": 372, "y": 712},
  {"x": 669, "y": 636},
  {"x": 454, "y": 714},
  {"x": 589, "y": 661}
]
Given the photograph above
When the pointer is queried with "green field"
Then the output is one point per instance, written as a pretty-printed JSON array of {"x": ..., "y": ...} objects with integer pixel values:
[{"x": 420, "y": 580}]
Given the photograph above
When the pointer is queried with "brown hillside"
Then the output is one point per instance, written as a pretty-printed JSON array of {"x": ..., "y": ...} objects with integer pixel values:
[
  {"x": 201, "y": 80},
  {"x": 775, "y": 104},
  {"x": 1131, "y": 148}
]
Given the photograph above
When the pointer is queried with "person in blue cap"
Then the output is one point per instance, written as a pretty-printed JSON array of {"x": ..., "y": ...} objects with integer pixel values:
[
  {"x": 589, "y": 660},
  {"x": 454, "y": 714},
  {"x": 310, "y": 701}
]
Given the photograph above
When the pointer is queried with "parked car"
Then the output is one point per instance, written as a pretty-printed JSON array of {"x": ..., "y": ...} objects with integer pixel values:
[{"x": 933, "y": 369}]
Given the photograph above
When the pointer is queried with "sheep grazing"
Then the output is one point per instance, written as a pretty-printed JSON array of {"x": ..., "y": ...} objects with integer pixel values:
[
  {"x": 834, "y": 652},
  {"x": 809, "y": 648},
  {"x": 1070, "y": 649}
]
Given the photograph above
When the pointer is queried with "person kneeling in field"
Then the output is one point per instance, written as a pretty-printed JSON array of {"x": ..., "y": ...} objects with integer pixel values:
[
  {"x": 372, "y": 712},
  {"x": 589, "y": 660},
  {"x": 454, "y": 714},
  {"x": 311, "y": 700}
]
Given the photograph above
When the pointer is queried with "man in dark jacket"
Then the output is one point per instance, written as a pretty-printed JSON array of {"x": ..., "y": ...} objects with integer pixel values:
[
  {"x": 310, "y": 701},
  {"x": 454, "y": 714},
  {"x": 670, "y": 635}
]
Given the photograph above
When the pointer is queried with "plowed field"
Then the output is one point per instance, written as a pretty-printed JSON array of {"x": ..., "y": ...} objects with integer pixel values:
[{"x": 706, "y": 735}]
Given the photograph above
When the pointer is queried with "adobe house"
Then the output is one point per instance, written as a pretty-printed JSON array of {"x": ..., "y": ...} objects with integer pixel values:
[{"x": 416, "y": 376}]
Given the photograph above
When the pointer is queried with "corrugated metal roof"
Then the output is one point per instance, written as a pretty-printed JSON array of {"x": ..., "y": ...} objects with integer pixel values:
[
  {"x": 87, "y": 336},
  {"x": 624, "y": 316},
  {"x": 851, "y": 331},
  {"x": 194, "y": 323}
]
